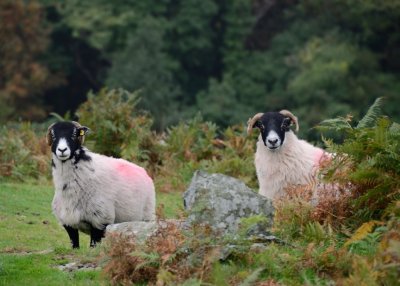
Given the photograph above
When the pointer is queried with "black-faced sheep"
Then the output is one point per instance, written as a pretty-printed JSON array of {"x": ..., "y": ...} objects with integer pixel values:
[
  {"x": 282, "y": 160},
  {"x": 93, "y": 190}
]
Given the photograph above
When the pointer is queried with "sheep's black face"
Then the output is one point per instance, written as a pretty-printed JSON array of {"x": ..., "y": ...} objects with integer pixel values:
[
  {"x": 65, "y": 138},
  {"x": 273, "y": 127}
]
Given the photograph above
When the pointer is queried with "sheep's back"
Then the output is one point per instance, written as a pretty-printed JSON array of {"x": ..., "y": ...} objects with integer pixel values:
[{"x": 132, "y": 188}]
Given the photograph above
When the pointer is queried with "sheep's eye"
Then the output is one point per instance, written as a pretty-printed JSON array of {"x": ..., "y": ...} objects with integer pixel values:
[
  {"x": 260, "y": 125},
  {"x": 285, "y": 124},
  {"x": 74, "y": 137}
]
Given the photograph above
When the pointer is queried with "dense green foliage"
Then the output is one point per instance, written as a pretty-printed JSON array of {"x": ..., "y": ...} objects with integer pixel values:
[
  {"x": 115, "y": 122},
  {"x": 208, "y": 57},
  {"x": 227, "y": 59}
]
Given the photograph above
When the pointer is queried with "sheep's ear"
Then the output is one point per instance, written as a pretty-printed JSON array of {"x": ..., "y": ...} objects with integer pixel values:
[
  {"x": 82, "y": 131},
  {"x": 49, "y": 136}
]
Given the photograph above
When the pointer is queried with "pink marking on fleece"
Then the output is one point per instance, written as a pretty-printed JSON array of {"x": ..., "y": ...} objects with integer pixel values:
[
  {"x": 318, "y": 156},
  {"x": 127, "y": 169}
]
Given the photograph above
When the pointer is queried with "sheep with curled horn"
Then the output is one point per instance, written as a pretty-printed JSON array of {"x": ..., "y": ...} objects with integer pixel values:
[
  {"x": 93, "y": 190},
  {"x": 282, "y": 159}
]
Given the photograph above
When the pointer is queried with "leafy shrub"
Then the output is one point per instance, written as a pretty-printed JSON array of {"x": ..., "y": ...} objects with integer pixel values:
[
  {"x": 24, "y": 153},
  {"x": 195, "y": 144},
  {"x": 377, "y": 252},
  {"x": 292, "y": 216},
  {"x": 182, "y": 148},
  {"x": 235, "y": 155},
  {"x": 119, "y": 129},
  {"x": 191, "y": 140}
]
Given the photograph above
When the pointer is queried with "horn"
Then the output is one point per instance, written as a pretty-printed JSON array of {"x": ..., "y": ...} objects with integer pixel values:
[
  {"x": 77, "y": 125},
  {"x": 294, "y": 118},
  {"x": 49, "y": 138},
  {"x": 252, "y": 121}
]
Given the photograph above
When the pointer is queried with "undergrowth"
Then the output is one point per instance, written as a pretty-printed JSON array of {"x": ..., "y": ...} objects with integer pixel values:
[
  {"x": 118, "y": 129},
  {"x": 172, "y": 256},
  {"x": 322, "y": 256},
  {"x": 349, "y": 234},
  {"x": 366, "y": 165},
  {"x": 24, "y": 153}
]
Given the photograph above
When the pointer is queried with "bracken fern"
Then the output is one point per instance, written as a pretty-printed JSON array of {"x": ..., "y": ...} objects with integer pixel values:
[{"x": 370, "y": 154}]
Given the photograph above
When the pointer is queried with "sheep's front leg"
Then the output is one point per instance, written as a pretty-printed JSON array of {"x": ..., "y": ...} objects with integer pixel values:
[
  {"x": 73, "y": 236},
  {"x": 96, "y": 235}
]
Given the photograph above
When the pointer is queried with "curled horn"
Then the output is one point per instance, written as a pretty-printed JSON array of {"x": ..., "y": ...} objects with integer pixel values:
[
  {"x": 291, "y": 116},
  {"x": 49, "y": 138},
  {"x": 252, "y": 121},
  {"x": 81, "y": 138},
  {"x": 77, "y": 125}
]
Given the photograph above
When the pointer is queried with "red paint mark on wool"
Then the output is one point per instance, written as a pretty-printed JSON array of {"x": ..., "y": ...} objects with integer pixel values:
[
  {"x": 130, "y": 170},
  {"x": 318, "y": 156},
  {"x": 127, "y": 169}
]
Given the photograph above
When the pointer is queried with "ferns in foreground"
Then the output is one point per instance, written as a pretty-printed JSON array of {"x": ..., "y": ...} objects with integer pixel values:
[{"x": 370, "y": 156}]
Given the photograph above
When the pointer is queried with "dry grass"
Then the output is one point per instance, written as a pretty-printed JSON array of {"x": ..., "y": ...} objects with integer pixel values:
[
  {"x": 24, "y": 153},
  {"x": 156, "y": 262}
]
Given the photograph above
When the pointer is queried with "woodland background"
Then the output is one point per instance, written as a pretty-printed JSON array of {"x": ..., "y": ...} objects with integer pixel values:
[
  {"x": 227, "y": 59},
  {"x": 169, "y": 85}
]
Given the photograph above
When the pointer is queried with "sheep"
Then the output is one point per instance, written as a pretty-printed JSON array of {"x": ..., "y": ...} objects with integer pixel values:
[
  {"x": 93, "y": 190},
  {"x": 281, "y": 159}
]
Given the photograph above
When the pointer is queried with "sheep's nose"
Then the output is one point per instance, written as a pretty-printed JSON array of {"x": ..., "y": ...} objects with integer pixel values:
[
  {"x": 62, "y": 150},
  {"x": 273, "y": 142}
]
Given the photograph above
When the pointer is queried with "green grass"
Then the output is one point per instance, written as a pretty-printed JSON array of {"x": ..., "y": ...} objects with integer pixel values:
[
  {"x": 38, "y": 269},
  {"x": 32, "y": 243},
  {"x": 171, "y": 203},
  {"x": 25, "y": 214}
]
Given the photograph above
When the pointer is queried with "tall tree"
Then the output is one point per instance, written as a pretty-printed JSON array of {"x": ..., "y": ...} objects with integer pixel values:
[
  {"x": 143, "y": 65},
  {"x": 23, "y": 77},
  {"x": 230, "y": 59}
]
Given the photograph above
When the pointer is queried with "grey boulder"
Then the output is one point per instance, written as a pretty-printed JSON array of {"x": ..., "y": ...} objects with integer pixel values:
[{"x": 221, "y": 201}]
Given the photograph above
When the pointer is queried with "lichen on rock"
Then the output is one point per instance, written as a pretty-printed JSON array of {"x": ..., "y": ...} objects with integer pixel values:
[{"x": 222, "y": 201}]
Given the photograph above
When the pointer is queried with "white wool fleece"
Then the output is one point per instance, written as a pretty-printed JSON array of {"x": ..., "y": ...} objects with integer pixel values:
[
  {"x": 101, "y": 191},
  {"x": 295, "y": 163}
]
